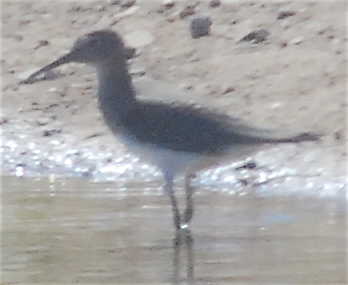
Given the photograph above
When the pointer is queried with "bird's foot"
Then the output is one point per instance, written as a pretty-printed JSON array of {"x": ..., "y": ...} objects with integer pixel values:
[
  {"x": 188, "y": 214},
  {"x": 177, "y": 221}
]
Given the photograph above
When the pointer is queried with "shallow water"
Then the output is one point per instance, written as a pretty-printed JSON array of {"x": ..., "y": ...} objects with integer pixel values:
[{"x": 72, "y": 230}]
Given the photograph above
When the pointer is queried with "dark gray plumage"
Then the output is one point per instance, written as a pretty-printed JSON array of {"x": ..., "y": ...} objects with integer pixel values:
[{"x": 176, "y": 135}]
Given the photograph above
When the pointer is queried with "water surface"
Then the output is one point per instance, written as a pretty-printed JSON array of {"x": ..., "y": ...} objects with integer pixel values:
[{"x": 72, "y": 230}]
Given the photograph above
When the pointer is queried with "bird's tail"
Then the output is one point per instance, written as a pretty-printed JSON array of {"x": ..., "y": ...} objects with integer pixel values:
[{"x": 297, "y": 138}]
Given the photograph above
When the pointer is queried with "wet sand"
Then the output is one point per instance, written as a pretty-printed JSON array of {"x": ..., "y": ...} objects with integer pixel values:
[{"x": 75, "y": 231}]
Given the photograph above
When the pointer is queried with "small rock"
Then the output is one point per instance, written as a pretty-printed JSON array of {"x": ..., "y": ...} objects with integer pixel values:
[
  {"x": 214, "y": 3},
  {"x": 166, "y": 5},
  {"x": 187, "y": 11},
  {"x": 3, "y": 121},
  {"x": 93, "y": 136},
  {"x": 42, "y": 43},
  {"x": 200, "y": 27},
  {"x": 47, "y": 134},
  {"x": 170, "y": 19},
  {"x": 283, "y": 44},
  {"x": 297, "y": 41},
  {"x": 228, "y": 90},
  {"x": 128, "y": 3},
  {"x": 338, "y": 135},
  {"x": 114, "y": 2},
  {"x": 169, "y": 3},
  {"x": 139, "y": 38},
  {"x": 256, "y": 36},
  {"x": 285, "y": 14},
  {"x": 125, "y": 14},
  {"x": 43, "y": 121},
  {"x": 186, "y": 86},
  {"x": 50, "y": 133},
  {"x": 250, "y": 165}
]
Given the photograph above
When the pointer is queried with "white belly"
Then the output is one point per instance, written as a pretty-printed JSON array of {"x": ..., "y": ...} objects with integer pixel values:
[{"x": 169, "y": 161}]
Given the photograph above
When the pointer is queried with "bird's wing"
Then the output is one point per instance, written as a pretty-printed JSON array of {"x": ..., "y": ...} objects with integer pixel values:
[{"x": 190, "y": 128}]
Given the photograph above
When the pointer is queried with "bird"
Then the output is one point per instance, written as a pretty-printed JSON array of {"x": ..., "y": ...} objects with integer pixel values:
[{"x": 180, "y": 139}]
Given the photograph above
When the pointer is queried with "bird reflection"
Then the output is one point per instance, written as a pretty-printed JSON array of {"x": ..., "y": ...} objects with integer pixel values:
[{"x": 183, "y": 239}]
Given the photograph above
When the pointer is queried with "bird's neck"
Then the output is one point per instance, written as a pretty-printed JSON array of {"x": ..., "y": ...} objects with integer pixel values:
[{"x": 115, "y": 91}]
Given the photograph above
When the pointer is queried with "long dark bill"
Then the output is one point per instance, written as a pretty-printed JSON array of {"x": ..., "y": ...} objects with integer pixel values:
[{"x": 60, "y": 61}]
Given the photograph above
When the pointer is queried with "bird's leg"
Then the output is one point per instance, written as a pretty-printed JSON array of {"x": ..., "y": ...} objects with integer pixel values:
[
  {"x": 189, "y": 200},
  {"x": 174, "y": 202}
]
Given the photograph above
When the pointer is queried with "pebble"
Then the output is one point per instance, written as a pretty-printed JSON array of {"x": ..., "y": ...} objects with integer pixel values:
[
  {"x": 214, "y": 3},
  {"x": 200, "y": 27},
  {"x": 42, "y": 43},
  {"x": 128, "y": 3},
  {"x": 228, "y": 90},
  {"x": 139, "y": 38},
  {"x": 186, "y": 86},
  {"x": 166, "y": 5},
  {"x": 283, "y": 44},
  {"x": 3, "y": 121},
  {"x": 285, "y": 14},
  {"x": 43, "y": 121},
  {"x": 126, "y": 13},
  {"x": 297, "y": 41},
  {"x": 187, "y": 11},
  {"x": 114, "y": 2},
  {"x": 256, "y": 36}
]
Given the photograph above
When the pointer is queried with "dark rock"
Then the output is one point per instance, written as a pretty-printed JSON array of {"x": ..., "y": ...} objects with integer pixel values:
[
  {"x": 93, "y": 136},
  {"x": 187, "y": 11},
  {"x": 200, "y": 27},
  {"x": 283, "y": 44},
  {"x": 285, "y": 14},
  {"x": 338, "y": 135},
  {"x": 128, "y": 3},
  {"x": 166, "y": 5},
  {"x": 114, "y": 2},
  {"x": 256, "y": 36},
  {"x": 42, "y": 43},
  {"x": 249, "y": 165},
  {"x": 228, "y": 90},
  {"x": 214, "y": 3},
  {"x": 3, "y": 121},
  {"x": 50, "y": 133}
]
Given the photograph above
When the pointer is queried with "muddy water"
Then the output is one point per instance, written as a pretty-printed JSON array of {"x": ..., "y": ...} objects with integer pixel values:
[{"x": 72, "y": 230}]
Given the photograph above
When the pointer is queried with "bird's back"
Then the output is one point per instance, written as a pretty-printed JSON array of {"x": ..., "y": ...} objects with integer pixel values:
[{"x": 187, "y": 128}]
